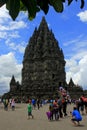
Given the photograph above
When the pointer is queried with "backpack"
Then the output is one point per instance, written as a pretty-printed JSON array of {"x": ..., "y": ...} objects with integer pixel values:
[
  {"x": 63, "y": 100},
  {"x": 51, "y": 107}
]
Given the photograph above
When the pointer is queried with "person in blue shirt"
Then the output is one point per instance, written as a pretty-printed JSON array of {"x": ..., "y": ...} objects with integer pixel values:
[{"x": 76, "y": 116}]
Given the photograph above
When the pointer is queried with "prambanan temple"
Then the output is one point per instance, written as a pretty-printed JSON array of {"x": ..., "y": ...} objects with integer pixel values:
[
  {"x": 43, "y": 64},
  {"x": 43, "y": 69}
]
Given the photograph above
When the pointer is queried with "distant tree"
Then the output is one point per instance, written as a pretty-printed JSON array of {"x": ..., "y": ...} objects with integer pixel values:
[{"x": 34, "y": 6}]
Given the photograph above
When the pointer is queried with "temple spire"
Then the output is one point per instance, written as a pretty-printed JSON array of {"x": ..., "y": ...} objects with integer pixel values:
[
  {"x": 13, "y": 82},
  {"x": 43, "y": 25}
]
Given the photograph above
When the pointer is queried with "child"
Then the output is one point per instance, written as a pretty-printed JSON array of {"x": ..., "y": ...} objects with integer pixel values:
[
  {"x": 51, "y": 110},
  {"x": 29, "y": 107}
]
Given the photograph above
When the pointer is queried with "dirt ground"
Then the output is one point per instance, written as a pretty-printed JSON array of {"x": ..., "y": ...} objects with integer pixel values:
[{"x": 17, "y": 120}]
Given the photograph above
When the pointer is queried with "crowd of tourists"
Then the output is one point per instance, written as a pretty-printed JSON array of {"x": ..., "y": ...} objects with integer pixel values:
[
  {"x": 57, "y": 108},
  {"x": 9, "y": 103}
]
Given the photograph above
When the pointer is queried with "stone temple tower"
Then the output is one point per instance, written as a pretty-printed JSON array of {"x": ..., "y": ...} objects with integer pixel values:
[{"x": 43, "y": 64}]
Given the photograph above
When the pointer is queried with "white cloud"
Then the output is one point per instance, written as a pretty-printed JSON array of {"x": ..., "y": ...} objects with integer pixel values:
[
  {"x": 3, "y": 35},
  {"x": 17, "y": 25},
  {"x": 10, "y": 31},
  {"x": 19, "y": 47},
  {"x": 76, "y": 47},
  {"x": 13, "y": 25},
  {"x": 83, "y": 16},
  {"x": 79, "y": 39},
  {"x": 8, "y": 35},
  {"x": 76, "y": 63},
  {"x": 14, "y": 34},
  {"x": 9, "y": 67},
  {"x": 76, "y": 68},
  {"x": 10, "y": 39},
  {"x": 4, "y": 14},
  {"x": 7, "y": 24}
]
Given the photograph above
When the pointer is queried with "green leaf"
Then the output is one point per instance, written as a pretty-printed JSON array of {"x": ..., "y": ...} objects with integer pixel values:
[
  {"x": 63, "y": 0},
  {"x": 69, "y": 2},
  {"x": 82, "y": 4},
  {"x": 45, "y": 9},
  {"x": 13, "y": 6},
  {"x": 37, "y": 9},
  {"x": 22, "y": 7},
  {"x": 57, "y": 4},
  {"x": 31, "y": 7},
  {"x": 43, "y": 5},
  {"x": 2, "y": 2}
]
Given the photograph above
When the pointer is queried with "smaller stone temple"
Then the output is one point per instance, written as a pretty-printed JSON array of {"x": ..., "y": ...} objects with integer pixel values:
[
  {"x": 15, "y": 87},
  {"x": 74, "y": 90}
]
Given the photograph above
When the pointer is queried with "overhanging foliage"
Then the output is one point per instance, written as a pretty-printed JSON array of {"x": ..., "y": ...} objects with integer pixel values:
[{"x": 33, "y": 6}]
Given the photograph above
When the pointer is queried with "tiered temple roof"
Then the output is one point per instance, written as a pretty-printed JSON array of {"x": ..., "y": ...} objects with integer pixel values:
[{"x": 43, "y": 64}]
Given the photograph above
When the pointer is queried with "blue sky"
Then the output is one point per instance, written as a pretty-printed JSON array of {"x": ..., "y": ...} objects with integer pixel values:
[{"x": 69, "y": 28}]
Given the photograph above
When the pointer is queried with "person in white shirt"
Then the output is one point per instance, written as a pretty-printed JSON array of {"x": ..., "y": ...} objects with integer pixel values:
[{"x": 13, "y": 104}]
